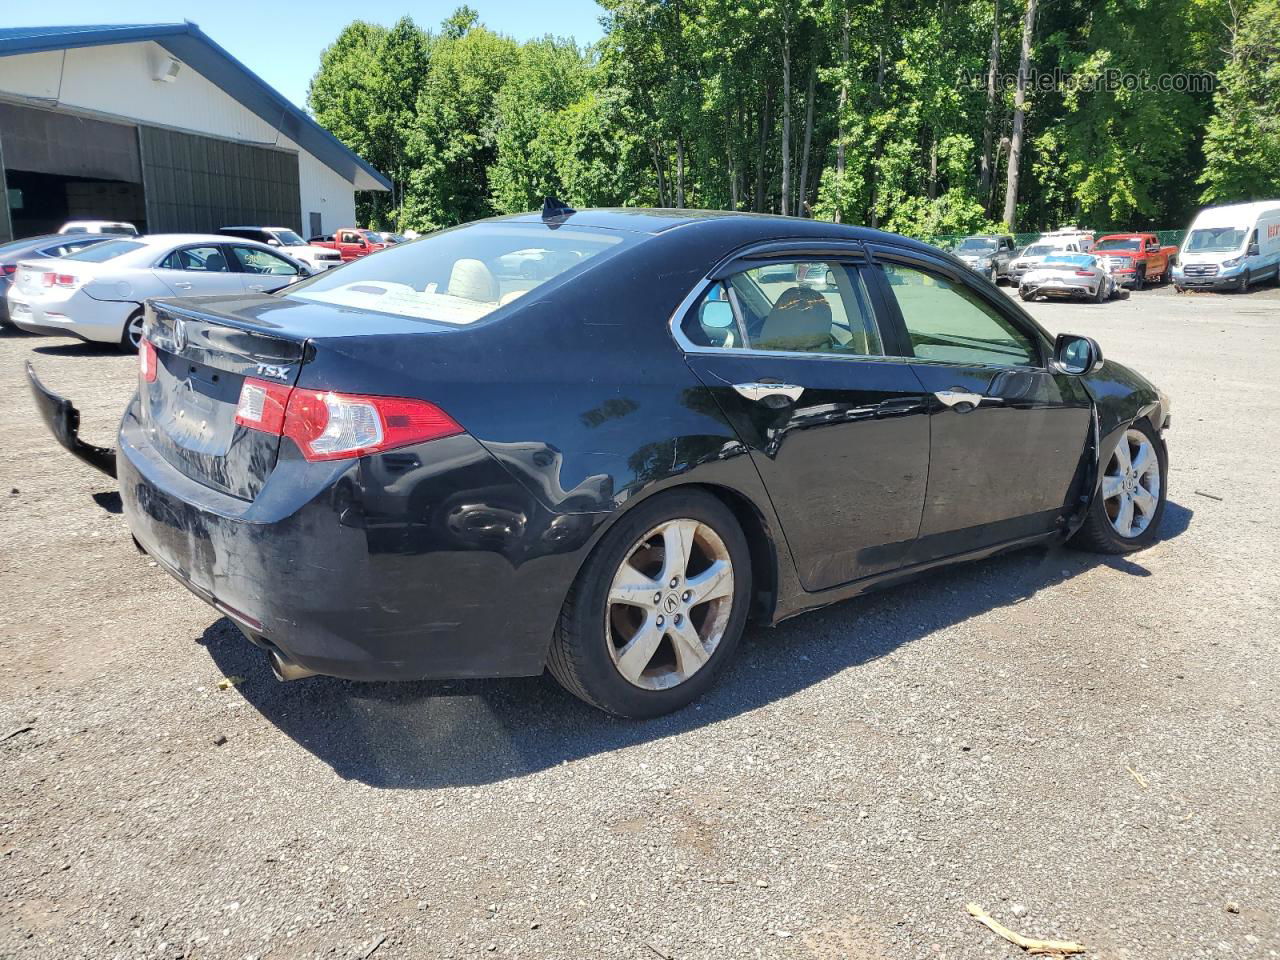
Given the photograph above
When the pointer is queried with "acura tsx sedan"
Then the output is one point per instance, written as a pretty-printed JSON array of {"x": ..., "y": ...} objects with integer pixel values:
[{"x": 598, "y": 442}]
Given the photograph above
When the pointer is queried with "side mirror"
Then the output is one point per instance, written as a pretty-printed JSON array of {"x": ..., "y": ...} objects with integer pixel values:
[
  {"x": 1252, "y": 251},
  {"x": 1076, "y": 355},
  {"x": 830, "y": 278},
  {"x": 715, "y": 315},
  {"x": 273, "y": 242}
]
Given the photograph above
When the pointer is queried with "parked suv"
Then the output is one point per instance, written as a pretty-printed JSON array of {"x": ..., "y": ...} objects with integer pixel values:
[
  {"x": 316, "y": 258},
  {"x": 988, "y": 254}
]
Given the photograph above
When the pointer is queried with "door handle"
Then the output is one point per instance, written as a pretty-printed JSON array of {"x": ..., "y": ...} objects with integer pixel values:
[
  {"x": 899, "y": 405},
  {"x": 756, "y": 390},
  {"x": 182, "y": 285},
  {"x": 962, "y": 401},
  {"x": 258, "y": 286}
]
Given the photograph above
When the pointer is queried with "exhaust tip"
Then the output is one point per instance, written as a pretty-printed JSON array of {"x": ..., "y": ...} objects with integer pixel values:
[{"x": 284, "y": 670}]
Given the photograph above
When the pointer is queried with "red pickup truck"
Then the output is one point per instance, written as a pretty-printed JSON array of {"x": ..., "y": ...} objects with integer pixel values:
[
  {"x": 351, "y": 242},
  {"x": 1135, "y": 258}
]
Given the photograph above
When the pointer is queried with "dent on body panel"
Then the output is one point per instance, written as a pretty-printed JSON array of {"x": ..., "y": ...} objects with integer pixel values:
[{"x": 1120, "y": 394}]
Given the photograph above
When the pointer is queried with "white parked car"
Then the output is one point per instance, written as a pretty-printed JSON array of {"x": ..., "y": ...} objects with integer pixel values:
[
  {"x": 317, "y": 258},
  {"x": 1073, "y": 275},
  {"x": 116, "y": 227},
  {"x": 98, "y": 293}
]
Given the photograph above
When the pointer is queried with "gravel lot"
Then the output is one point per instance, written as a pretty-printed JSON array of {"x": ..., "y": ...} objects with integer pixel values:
[{"x": 1087, "y": 748}]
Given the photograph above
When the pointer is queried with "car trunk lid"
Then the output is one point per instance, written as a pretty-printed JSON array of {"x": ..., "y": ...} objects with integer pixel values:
[{"x": 203, "y": 357}]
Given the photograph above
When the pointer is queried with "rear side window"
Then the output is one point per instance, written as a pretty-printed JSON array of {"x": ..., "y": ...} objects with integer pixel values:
[
  {"x": 102, "y": 252},
  {"x": 948, "y": 322},
  {"x": 813, "y": 307},
  {"x": 460, "y": 276}
]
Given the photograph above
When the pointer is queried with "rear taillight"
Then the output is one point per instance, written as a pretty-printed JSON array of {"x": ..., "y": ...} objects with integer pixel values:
[
  {"x": 1084, "y": 273},
  {"x": 338, "y": 426},
  {"x": 262, "y": 405},
  {"x": 8, "y": 269},
  {"x": 147, "y": 362},
  {"x": 60, "y": 280}
]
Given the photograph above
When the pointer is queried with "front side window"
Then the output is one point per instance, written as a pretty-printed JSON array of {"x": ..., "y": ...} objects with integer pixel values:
[
  {"x": 461, "y": 275},
  {"x": 253, "y": 260},
  {"x": 199, "y": 259},
  {"x": 947, "y": 321},
  {"x": 808, "y": 307}
]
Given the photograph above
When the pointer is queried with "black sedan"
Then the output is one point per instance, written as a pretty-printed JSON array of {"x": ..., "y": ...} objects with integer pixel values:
[{"x": 599, "y": 442}]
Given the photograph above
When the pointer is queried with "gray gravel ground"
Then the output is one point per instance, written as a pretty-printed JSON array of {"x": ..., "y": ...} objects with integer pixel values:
[{"x": 1088, "y": 748}]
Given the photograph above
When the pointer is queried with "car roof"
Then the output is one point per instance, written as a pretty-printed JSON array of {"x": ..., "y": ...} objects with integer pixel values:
[
  {"x": 729, "y": 225},
  {"x": 173, "y": 239}
]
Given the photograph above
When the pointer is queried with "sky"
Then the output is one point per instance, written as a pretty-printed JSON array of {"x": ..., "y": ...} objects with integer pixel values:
[{"x": 281, "y": 41}]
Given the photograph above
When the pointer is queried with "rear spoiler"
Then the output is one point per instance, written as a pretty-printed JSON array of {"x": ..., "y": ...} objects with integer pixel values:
[{"x": 63, "y": 421}]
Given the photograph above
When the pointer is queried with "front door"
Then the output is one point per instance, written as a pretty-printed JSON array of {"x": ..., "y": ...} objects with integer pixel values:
[
  {"x": 1007, "y": 431},
  {"x": 839, "y": 431}
]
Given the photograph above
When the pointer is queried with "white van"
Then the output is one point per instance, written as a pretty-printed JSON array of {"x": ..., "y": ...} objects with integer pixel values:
[{"x": 1230, "y": 247}]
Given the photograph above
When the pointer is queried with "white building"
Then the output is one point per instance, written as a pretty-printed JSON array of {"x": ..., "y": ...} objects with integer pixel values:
[{"x": 158, "y": 125}]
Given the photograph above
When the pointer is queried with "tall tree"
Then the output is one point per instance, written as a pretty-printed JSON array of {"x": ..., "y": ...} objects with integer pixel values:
[{"x": 1019, "y": 117}]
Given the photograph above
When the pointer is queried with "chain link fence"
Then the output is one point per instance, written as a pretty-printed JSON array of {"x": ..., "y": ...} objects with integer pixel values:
[{"x": 1168, "y": 238}]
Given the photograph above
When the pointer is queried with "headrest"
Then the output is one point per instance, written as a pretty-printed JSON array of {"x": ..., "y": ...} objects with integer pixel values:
[
  {"x": 800, "y": 320},
  {"x": 472, "y": 280}
]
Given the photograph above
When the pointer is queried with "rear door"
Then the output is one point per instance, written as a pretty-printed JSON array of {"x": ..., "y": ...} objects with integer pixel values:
[
  {"x": 792, "y": 352},
  {"x": 1007, "y": 432},
  {"x": 199, "y": 269}
]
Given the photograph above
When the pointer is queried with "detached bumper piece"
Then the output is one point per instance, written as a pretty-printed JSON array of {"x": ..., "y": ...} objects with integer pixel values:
[{"x": 63, "y": 421}]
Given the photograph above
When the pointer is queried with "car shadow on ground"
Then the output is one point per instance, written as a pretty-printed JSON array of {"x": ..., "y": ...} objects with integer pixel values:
[
  {"x": 430, "y": 734},
  {"x": 75, "y": 348}
]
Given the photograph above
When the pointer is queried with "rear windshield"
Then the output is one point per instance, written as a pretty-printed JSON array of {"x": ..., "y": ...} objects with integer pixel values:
[
  {"x": 458, "y": 276},
  {"x": 28, "y": 243},
  {"x": 102, "y": 252}
]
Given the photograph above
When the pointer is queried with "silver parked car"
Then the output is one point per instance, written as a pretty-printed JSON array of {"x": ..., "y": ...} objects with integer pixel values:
[
  {"x": 1074, "y": 275},
  {"x": 46, "y": 246},
  {"x": 989, "y": 255}
]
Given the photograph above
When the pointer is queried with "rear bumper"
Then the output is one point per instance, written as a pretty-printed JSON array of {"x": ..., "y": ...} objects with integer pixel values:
[
  {"x": 367, "y": 570},
  {"x": 78, "y": 315},
  {"x": 1058, "y": 290}
]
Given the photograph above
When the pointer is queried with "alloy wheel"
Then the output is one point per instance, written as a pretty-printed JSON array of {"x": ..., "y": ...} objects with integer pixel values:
[
  {"x": 669, "y": 604},
  {"x": 1131, "y": 485}
]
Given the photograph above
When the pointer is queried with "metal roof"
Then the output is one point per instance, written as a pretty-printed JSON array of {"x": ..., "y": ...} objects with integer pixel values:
[{"x": 188, "y": 43}]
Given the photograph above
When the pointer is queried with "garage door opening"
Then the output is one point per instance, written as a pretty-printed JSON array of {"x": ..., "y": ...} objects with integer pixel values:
[{"x": 42, "y": 202}]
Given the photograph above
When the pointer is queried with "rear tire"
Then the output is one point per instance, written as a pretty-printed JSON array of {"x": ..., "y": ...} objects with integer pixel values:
[
  {"x": 1026, "y": 295},
  {"x": 1126, "y": 477},
  {"x": 131, "y": 338},
  {"x": 622, "y": 606}
]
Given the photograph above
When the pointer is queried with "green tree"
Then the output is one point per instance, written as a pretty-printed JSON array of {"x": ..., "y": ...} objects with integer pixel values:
[
  {"x": 453, "y": 144},
  {"x": 549, "y": 75},
  {"x": 1242, "y": 143},
  {"x": 365, "y": 93}
]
